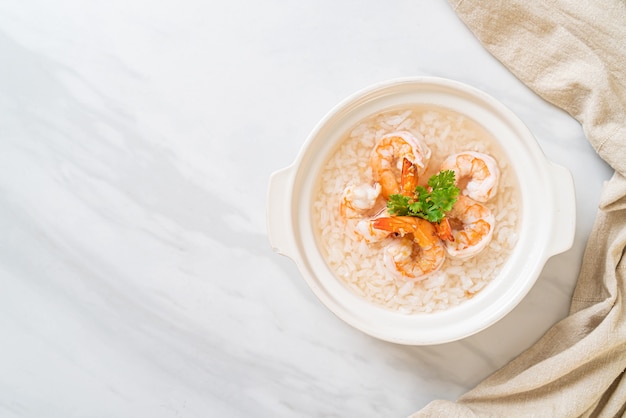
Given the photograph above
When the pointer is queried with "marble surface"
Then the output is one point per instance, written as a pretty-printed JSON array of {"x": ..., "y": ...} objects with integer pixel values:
[{"x": 136, "y": 142}]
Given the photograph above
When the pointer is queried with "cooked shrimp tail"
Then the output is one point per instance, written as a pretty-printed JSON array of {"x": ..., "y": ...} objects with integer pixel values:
[
  {"x": 409, "y": 178},
  {"x": 444, "y": 230}
]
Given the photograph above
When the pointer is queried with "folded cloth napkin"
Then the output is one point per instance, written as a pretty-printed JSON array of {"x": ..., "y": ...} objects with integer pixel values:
[{"x": 573, "y": 54}]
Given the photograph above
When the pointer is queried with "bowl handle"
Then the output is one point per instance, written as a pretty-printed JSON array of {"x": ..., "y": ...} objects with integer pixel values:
[
  {"x": 279, "y": 225},
  {"x": 564, "y": 217}
]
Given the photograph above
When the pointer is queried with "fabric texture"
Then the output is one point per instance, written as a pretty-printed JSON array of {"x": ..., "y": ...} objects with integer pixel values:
[{"x": 573, "y": 54}]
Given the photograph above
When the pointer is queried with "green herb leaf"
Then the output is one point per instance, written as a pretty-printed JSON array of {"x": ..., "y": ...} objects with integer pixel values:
[
  {"x": 398, "y": 205},
  {"x": 431, "y": 204}
]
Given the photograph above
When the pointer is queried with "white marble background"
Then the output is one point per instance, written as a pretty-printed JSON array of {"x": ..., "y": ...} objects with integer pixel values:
[{"x": 136, "y": 142}]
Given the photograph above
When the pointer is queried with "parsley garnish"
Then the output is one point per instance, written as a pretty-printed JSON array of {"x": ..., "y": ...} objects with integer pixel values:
[{"x": 430, "y": 203}]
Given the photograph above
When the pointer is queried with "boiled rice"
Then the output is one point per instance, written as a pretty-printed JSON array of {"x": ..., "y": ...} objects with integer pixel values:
[{"x": 360, "y": 265}]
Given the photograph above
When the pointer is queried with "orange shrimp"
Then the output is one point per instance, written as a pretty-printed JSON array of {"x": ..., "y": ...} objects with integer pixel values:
[
  {"x": 408, "y": 184},
  {"x": 409, "y": 178},
  {"x": 444, "y": 229},
  {"x": 418, "y": 253},
  {"x": 365, "y": 230},
  {"x": 472, "y": 226},
  {"x": 388, "y": 155},
  {"x": 476, "y": 174}
]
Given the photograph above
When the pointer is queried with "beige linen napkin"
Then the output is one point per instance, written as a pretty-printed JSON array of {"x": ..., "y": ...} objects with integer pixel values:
[{"x": 573, "y": 54}]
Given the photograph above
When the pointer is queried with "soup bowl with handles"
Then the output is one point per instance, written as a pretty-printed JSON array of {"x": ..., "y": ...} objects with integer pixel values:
[{"x": 291, "y": 227}]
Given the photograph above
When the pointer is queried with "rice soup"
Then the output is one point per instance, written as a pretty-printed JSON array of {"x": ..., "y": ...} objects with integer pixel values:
[{"x": 358, "y": 264}]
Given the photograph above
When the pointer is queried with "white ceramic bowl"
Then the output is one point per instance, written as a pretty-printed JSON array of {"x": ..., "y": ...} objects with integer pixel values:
[{"x": 543, "y": 184}]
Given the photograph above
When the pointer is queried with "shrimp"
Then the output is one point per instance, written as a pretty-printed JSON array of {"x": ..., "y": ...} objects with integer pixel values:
[
  {"x": 358, "y": 200},
  {"x": 477, "y": 174},
  {"x": 357, "y": 205},
  {"x": 408, "y": 185},
  {"x": 409, "y": 178},
  {"x": 472, "y": 225},
  {"x": 365, "y": 230},
  {"x": 413, "y": 258},
  {"x": 387, "y": 157},
  {"x": 444, "y": 229}
]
